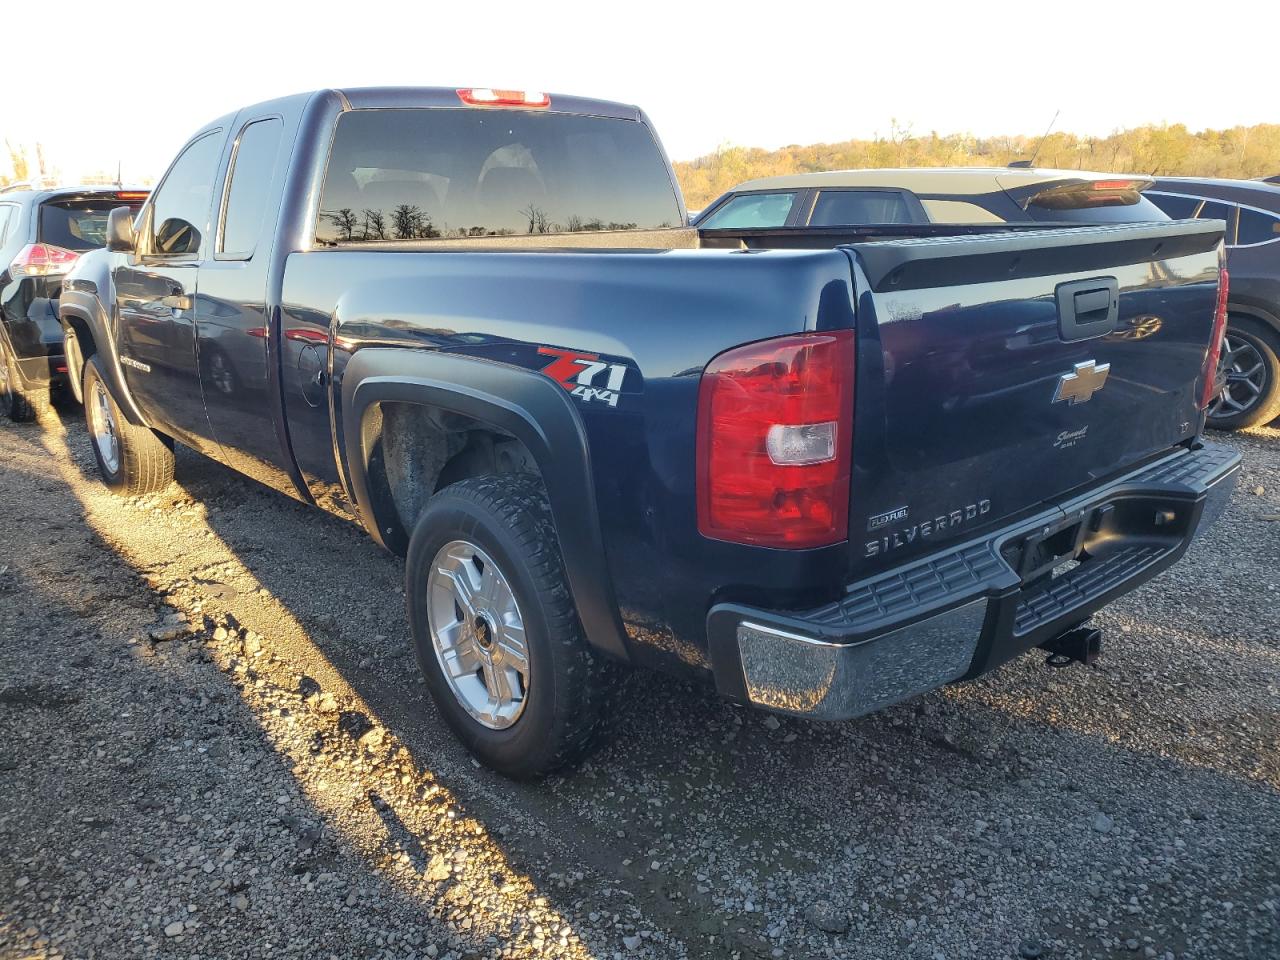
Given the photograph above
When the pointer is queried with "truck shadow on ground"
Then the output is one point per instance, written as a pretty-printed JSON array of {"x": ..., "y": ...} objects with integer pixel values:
[{"x": 719, "y": 822}]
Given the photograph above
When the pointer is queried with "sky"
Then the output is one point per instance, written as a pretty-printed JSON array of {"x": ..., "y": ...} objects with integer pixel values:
[{"x": 707, "y": 73}]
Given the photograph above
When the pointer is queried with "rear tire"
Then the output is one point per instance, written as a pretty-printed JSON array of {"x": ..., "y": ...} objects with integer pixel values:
[
  {"x": 132, "y": 460},
  {"x": 1253, "y": 399},
  {"x": 483, "y": 558},
  {"x": 21, "y": 405}
]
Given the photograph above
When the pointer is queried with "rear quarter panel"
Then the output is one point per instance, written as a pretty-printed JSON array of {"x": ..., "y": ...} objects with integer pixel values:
[{"x": 659, "y": 315}]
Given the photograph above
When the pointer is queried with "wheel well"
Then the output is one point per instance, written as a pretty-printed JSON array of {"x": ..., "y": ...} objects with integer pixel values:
[
  {"x": 1268, "y": 322},
  {"x": 414, "y": 450},
  {"x": 84, "y": 338}
]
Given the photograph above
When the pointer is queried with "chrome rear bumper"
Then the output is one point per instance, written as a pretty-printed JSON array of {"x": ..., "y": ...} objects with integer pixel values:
[{"x": 968, "y": 609}]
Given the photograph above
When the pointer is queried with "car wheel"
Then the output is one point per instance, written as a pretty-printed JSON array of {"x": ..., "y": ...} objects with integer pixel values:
[
  {"x": 1250, "y": 396},
  {"x": 75, "y": 364},
  {"x": 495, "y": 629},
  {"x": 19, "y": 405},
  {"x": 132, "y": 460}
]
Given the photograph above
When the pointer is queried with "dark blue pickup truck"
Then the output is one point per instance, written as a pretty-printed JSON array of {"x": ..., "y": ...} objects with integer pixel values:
[{"x": 828, "y": 471}]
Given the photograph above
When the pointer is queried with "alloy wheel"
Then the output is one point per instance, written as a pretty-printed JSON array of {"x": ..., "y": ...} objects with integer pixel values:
[
  {"x": 1246, "y": 378},
  {"x": 478, "y": 634},
  {"x": 102, "y": 426}
]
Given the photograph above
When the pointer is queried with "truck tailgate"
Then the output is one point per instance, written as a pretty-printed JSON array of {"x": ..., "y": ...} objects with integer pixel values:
[{"x": 997, "y": 373}]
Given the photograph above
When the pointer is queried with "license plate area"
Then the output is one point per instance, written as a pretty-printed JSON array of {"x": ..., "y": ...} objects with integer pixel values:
[{"x": 1050, "y": 550}]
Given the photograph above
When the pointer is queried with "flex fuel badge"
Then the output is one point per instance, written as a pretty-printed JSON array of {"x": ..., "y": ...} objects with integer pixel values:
[{"x": 585, "y": 375}]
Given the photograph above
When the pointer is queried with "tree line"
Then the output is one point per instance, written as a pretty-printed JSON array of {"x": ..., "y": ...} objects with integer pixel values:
[
  {"x": 1238, "y": 152},
  {"x": 408, "y": 221}
]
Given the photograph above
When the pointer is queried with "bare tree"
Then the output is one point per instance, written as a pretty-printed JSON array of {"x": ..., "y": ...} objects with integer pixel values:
[
  {"x": 405, "y": 220},
  {"x": 375, "y": 225},
  {"x": 345, "y": 220}
]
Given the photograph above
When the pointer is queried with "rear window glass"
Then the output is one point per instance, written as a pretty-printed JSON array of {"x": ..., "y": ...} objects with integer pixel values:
[
  {"x": 78, "y": 224},
  {"x": 849, "y": 208},
  {"x": 420, "y": 174},
  {"x": 1178, "y": 208},
  {"x": 1070, "y": 204},
  {"x": 749, "y": 210},
  {"x": 1257, "y": 227}
]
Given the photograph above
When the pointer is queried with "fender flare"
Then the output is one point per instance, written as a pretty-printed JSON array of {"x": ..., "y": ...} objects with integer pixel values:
[
  {"x": 87, "y": 308},
  {"x": 520, "y": 402}
]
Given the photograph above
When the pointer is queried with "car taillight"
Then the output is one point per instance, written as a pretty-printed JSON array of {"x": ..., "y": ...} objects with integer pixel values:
[
  {"x": 775, "y": 432},
  {"x": 487, "y": 97},
  {"x": 42, "y": 260},
  {"x": 1209, "y": 375}
]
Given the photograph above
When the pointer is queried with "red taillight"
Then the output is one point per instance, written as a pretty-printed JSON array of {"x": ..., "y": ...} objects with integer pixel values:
[
  {"x": 42, "y": 260},
  {"x": 775, "y": 431},
  {"x": 487, "y": 97},
  {"x": 1209, "y": 375},
  {"x": 134, "y": 196}
]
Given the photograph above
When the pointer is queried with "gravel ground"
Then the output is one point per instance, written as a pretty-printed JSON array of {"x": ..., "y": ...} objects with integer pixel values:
[{"x": 213, "y": 744}]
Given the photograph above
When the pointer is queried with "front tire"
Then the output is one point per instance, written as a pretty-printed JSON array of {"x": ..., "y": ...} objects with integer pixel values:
[
  {"x": 131, "y": 460},
  {"x": 495, "y": 629},
  {"x": 1251, "y": 396}
]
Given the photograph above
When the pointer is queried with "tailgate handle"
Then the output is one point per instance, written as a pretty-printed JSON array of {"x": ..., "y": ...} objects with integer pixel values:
[{"x": 1088, "y": 308}]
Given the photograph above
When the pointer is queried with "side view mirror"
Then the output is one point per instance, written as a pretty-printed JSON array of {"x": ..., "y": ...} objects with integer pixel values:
[{"x": 120, "y": 230}]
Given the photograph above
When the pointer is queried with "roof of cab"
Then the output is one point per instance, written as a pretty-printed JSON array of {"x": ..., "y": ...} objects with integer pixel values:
[
  {"x": 360, "y": 98},
  {"x": 945, "y": 180}
]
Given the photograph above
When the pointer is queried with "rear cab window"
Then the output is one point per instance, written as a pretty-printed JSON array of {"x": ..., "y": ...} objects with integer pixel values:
[
  {"x": 752, "y": 210},
  {"x": 80, "y": 224},
  {"x": 440, "y": 173}
]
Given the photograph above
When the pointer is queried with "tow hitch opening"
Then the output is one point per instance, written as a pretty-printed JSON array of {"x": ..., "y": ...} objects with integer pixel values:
[{"x": 1081, "y": 645}]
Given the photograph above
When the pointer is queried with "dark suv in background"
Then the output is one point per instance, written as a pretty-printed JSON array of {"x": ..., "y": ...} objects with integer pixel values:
[
  {"x": 1251, "y": 353},
  {"x": 42, "y": 235}
]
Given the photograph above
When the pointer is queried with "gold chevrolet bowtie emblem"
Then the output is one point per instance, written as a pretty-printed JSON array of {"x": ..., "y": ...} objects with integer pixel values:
[{"x": 1081, "y": 383}]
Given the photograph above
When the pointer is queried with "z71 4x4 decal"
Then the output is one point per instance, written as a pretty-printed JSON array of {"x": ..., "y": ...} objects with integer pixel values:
[{"x": 585, "y": 375}]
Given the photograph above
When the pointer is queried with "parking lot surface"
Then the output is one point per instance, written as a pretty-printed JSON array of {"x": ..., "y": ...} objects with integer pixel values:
[{"x": 214, "y": 744}]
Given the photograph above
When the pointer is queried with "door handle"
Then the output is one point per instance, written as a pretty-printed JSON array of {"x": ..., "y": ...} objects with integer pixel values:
[{"x": 179, "y": 301}]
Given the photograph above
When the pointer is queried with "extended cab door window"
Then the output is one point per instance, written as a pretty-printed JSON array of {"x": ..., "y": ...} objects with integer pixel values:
[{"x": 248, "y": 189}]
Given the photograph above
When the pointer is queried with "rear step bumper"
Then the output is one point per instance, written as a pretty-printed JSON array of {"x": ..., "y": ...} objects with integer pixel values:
[{"x": 968, "y": 609}]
